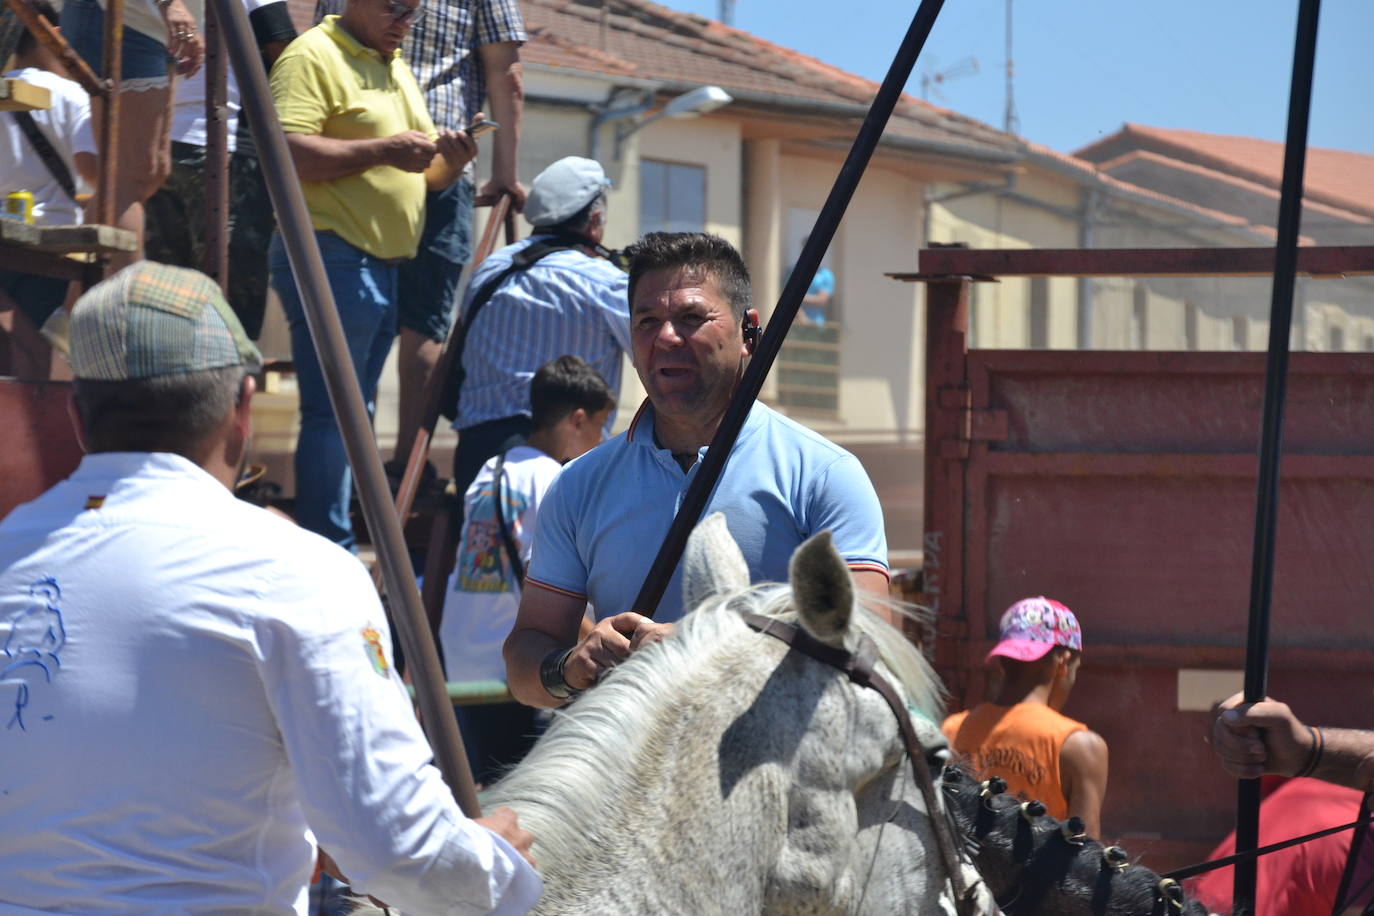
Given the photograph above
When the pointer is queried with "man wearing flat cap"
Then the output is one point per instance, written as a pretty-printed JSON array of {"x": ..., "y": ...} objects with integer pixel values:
[
  {"x": 571, "y": 300},
  {"x": 194, "y": 691}
]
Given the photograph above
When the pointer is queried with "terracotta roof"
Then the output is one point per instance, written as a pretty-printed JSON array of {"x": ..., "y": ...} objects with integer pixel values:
[
  {"x": 1088, "y": 172},
  {"x": 1337, "y": 177},
  {"x": 1255, "y": 187},
  {"x": 637, "y": 38}
]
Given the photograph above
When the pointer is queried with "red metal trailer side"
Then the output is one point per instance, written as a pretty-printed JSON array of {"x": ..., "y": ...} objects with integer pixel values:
[{"x": 1123, "y": 484}]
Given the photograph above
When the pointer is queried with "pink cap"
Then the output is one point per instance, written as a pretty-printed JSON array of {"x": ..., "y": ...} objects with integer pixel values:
[{"x": 1033, "y": 626}]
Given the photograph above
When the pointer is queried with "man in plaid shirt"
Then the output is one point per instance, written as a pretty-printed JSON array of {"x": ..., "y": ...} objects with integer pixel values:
[{"x": 461, "y": 51}]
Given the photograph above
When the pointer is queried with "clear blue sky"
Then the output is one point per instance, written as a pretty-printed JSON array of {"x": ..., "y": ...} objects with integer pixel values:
[{"x": 1084, "y": 67}]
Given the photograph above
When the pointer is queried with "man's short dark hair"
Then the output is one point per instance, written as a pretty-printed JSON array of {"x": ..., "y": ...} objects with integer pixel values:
[
  {"x": 45, "y": 11},
  {"x": 563, "y": 385},
  {"x": 702, "y": 251},
  {"x": 167, "y": 413}
]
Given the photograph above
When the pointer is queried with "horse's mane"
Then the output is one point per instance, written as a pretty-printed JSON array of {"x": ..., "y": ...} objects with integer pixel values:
[{"x": 569, "y": 780}]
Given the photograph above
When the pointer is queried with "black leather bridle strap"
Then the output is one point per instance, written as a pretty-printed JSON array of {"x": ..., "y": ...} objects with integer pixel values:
[{"x": 859, "y": 667}]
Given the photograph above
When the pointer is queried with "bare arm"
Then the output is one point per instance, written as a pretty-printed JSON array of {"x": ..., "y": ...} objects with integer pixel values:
[
  {"x": 506, "y": 101},
  {"x": 1266, "y": 737},
  {"x": 319, "y": 158},
  {"x": 874, "y": 584},
  {"x": 1083, "y": 772},
  {"x": 548, "y": 621}
]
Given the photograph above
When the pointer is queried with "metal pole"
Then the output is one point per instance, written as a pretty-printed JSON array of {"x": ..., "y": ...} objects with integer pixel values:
[
  {"x": 109, "y": 125},
  {"x": 347, "y": 400},
  {"x": 216, "y": 212},
  {"x": 699, "y": 491},
  {"x": 1271, "y": 435}
]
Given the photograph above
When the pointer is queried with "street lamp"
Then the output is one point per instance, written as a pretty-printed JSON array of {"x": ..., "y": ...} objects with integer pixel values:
[{"x": 688, "y": 105}]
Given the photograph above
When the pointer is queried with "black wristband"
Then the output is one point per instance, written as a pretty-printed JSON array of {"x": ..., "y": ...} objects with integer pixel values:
[{"x": 551, "y": 675}]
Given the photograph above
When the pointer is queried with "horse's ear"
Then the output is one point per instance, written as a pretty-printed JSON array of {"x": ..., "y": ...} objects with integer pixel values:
[
  {"x": 822, "y": 589},
  {"x": 712, "y": 563}
]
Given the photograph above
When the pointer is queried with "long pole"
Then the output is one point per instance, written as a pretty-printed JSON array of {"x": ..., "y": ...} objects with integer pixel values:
[
  {"x": 694, "y": 502},
  {"x": 1271, "y": 434},
  {"x": 347, "y": 401}
]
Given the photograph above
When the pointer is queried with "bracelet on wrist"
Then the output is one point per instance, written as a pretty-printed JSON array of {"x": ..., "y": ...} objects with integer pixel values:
[
  {"x": 552, "y": 676},
  {"x": 1314, "y": 753}
]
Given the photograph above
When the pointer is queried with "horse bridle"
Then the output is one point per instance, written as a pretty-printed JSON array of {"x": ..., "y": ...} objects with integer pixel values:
[{"x": 859, "y": 666}]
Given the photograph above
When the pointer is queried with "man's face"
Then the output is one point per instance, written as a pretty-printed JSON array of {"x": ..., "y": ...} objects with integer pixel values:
[
  {"x": 382, "y": 24},
  {"x": 687, "y": 343}
]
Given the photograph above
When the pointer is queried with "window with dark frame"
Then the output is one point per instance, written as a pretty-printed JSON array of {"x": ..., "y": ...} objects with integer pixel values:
[{"x": 672, "y": 197}]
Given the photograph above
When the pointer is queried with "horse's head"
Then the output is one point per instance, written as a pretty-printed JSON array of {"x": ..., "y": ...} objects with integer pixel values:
[{"x": 858, "y": 838}]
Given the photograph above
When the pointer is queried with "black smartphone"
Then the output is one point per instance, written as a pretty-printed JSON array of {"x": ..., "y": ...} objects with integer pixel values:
[{"x": 478, "y": 128}]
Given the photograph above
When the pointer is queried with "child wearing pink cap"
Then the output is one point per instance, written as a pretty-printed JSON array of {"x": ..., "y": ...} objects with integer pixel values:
[{"x": 1021, "y": 735}]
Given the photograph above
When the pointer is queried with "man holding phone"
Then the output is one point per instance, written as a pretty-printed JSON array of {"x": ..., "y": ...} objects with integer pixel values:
[
  {"x": 367, "y": 152},
  {"x": 462, "y": 53}
]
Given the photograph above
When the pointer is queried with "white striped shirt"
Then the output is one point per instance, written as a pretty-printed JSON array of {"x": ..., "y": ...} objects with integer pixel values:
[{"x": 567, "y": 302}]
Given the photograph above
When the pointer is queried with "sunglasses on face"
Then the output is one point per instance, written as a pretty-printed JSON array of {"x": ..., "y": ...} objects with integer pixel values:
[{"x": 406, "y": 15}]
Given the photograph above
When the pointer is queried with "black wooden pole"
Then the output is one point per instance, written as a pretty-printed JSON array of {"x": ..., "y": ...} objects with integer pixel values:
[
  {"x": 699, "y": 491},
  {"x": 347, "y": 400},
  {"x": 1271, "y": 435}
]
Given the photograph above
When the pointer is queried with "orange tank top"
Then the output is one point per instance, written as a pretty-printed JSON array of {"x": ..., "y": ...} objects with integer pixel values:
[{"x": 1020, "y": 744}]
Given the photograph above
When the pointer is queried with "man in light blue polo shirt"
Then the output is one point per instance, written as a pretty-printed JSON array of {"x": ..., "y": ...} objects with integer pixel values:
[{"x": 603, "y": 518}]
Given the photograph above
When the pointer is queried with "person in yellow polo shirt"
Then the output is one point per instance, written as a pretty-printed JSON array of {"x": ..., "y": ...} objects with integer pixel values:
[{"x": 366, "y": 152}]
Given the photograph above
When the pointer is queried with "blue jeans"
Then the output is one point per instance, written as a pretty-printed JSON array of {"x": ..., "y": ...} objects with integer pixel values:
[
  {"x": 364, "y": 290},
  {"x": 429, "y": 281}
]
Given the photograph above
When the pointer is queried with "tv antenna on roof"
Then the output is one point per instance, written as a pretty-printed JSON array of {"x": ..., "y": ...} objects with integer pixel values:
[
  {"x": 931, "y": 81},
  {"x": 727, "y": 12}
]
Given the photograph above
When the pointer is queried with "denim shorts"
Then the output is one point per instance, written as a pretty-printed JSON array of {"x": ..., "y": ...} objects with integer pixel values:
[
  {"x": 144, "y": 57},
  {"x": 428, "y": 283}
]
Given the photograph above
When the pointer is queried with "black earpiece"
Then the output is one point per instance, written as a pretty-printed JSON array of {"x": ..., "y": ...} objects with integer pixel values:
[{"x": 751, "y": 334}]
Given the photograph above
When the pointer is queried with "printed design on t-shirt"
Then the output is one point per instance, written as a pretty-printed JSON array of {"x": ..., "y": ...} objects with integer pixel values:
[
  {"x": 483, "y": 564},
  {"x": 372, "y": 645},
  {"x": 998, "y": 761},
  {"x": 32, "y": 647}
]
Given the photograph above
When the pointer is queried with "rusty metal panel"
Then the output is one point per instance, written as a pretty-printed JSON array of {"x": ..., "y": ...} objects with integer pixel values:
[
  {"x": 1123, "y": 484},
  {"x": 40, "y": 444}
]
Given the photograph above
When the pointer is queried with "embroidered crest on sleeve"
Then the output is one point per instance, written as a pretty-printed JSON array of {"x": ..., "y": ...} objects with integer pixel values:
[{"x": 372, "y": 644}]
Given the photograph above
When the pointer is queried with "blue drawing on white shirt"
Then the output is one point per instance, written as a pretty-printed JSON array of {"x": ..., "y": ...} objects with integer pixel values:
[{"x": 33, "y": 645}]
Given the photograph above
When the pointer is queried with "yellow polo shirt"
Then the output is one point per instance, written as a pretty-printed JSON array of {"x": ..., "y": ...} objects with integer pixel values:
[{"x": 326, "y": 83}]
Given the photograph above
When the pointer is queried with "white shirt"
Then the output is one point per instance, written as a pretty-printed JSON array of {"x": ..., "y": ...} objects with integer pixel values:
[
  {"x": 67, "y": 125},
  {"x": 187, "y": 683},
  {"x": 483, "y": 596},
  {"x": 188, "y": 109}
]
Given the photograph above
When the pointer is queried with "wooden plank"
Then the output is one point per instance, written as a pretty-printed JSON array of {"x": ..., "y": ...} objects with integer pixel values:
[
  {"x": 17, "y": 95},
  {"x": 13, "y": 232},
  {"x": 89, "y": 238}
]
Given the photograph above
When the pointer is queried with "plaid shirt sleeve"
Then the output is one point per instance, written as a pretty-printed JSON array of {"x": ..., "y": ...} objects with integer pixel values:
[{"x": 500, "y": 20}]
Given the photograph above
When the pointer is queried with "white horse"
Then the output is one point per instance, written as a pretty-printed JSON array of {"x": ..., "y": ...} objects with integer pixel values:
[{"x": 719, "y": 772}]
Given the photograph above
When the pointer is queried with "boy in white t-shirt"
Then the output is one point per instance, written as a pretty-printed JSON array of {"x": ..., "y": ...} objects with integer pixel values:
[{"x": 570, "y": 402}]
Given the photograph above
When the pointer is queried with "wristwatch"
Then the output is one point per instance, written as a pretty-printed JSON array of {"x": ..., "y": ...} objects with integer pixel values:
[
  {"x": 162, "y": 4},
  {"x": 552, "y": 677}
]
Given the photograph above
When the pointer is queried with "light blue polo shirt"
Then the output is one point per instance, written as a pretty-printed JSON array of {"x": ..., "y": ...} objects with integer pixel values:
[{"x": 605, "y": 516}]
